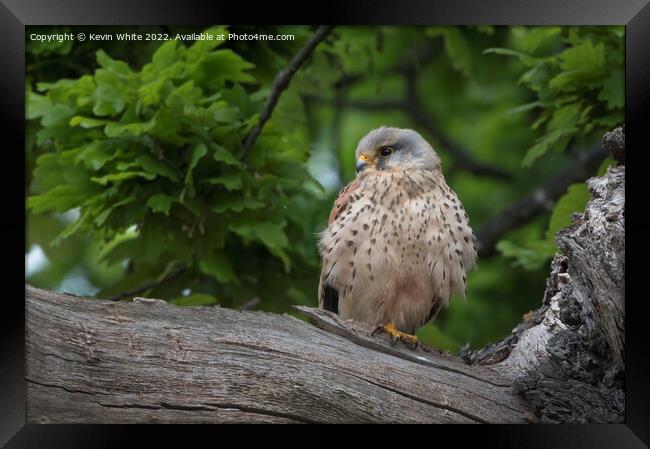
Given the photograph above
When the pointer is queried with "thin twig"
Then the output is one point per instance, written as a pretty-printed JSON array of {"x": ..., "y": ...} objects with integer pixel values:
[
  {"x": 281, "y": 82},
  {"x": 158, "y": 282}
]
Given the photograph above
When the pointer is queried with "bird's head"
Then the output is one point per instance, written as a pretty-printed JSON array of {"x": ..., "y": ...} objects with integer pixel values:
[{"x": 394, "y": 149}]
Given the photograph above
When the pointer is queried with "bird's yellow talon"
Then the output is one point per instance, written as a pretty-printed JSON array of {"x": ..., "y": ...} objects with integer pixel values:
[{"x": 396, "y": 335}]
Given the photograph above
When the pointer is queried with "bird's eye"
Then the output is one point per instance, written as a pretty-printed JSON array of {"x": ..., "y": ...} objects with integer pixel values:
[{"x": 385, "y": 151}]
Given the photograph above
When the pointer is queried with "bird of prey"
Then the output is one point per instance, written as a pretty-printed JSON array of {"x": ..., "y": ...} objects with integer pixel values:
[{"x": 398, "y": 241}]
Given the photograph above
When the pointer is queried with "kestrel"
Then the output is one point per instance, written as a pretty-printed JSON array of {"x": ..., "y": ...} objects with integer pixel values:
[{"x": 398, "y": 241}]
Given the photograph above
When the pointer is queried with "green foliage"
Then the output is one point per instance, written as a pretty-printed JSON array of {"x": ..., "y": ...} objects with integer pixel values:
[
  {"x": 576, "y": 74},
  {"x": 135, "y": 159},
  {"x": 456, "y": 47},
  {"x": 159, "y": 149},
  {"x": 574, "y": 200},
  {"x": 535, "y": 252}
]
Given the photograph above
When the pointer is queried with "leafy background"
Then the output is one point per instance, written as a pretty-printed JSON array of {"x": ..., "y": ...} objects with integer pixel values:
[{"x": 137, "y": 174}]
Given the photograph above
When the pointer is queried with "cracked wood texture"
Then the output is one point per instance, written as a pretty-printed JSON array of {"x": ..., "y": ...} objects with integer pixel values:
[
  {"x": 146, "y": 361},
  {"x": 97, "y": 361},
  {"x": 567, "y": 359}
]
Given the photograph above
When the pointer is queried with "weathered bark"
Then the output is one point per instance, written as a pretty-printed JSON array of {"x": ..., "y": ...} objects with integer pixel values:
[
  {"x": 101, "y": 361},
  {"x": 568, "y": 358},
  {"x": 97, "y": 361}
]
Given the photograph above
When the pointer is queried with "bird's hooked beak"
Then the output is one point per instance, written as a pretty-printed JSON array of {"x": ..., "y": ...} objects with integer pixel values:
[{"x": 362, "y": 162}]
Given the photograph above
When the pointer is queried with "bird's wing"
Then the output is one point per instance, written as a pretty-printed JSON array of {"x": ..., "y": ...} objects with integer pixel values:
[
  {"x": 328, "y": 297},
  {"x": 343, "y": 200}
]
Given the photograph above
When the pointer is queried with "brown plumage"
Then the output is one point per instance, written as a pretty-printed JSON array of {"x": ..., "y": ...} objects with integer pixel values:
[{"x": 398, "y": 241}]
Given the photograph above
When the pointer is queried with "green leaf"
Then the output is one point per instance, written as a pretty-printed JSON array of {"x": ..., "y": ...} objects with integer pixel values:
[
  {"x": 114, "y": 129},
  {"x": 36, "y": 105},
  {"x": 456, "y": 47},
  {"x": 201, "y": 48},
  {"x": 613, "y": 91},
  {"x": 271, "y": 234},
  {"x": 70, "y": 229},
  {"x": 536, "y": 78},
  {"x": 611, "y": 120},
  {"x": 123, "y": 176},
  {"x": 582, "y": 64},
  {"x": 529, "y": 258},
  {"x": 160, "y": 203},
  {"x": 565, "y": 118},
  {"x": 561, "y": 129},
  {"x": 458, "y": 51},
  {"x": 107, "y": 101},
  {"x": 574, "y": 200},
  {"x": 225, "y": 156},
  {"x": 103, "y": 216},
  {"x": 230, "y": 180},
  {"x": 524, "y": 58},
  {"x": 151, "y": 93},
  {"x": 86, "y": 122},
  {"x": 534, "y": 152},
  {"x": 167, "y": 54},
  {"x": 557, "y": 138},
  {"x": 608, "y": 162},
  {"x": 118, "y": 239},
  {"x": 57, "y": 115},
  {"x": 120, "y": 68},
  {"x": 198, "y": 152},
  {"x": 282, "y": 255},
  {"x": 217, "y": 265},
  {"x": 49, "y": 171},
  {"x": 584, "y": 57},
  {"x": 220, "y": 66},
  {"x": 537, "y": 36},
  {"x": 94, "y": 156},
  {"x": 236, "y": 203},
  {"x": 153, "y": 165},
  {"x": 60, "y": 199}
]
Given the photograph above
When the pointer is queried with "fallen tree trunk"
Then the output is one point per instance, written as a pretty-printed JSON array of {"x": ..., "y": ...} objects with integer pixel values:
[{"x": 97, "y": 361}]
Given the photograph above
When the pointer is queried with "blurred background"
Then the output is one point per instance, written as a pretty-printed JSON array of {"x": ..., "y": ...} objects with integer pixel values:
[{"x": 138, "y": 183}]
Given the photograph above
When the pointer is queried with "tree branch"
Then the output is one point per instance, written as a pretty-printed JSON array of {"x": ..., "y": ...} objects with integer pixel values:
[
  {"x": 414, "y": 109},
  {"x": 539, "y": 200},
  {"x": 95, "y": 361},
  {"x": 413, "y": 106},
  {"x": 147, "y": 361},
  {"x": 281, "y": 82}
]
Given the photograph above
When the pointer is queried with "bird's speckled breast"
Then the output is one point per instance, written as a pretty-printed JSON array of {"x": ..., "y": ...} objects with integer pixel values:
[{"x": 399, "y": 249}]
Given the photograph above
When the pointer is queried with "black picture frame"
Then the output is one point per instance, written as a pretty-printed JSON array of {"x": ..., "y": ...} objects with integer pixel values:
[{"x": 16, "y": 14}]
